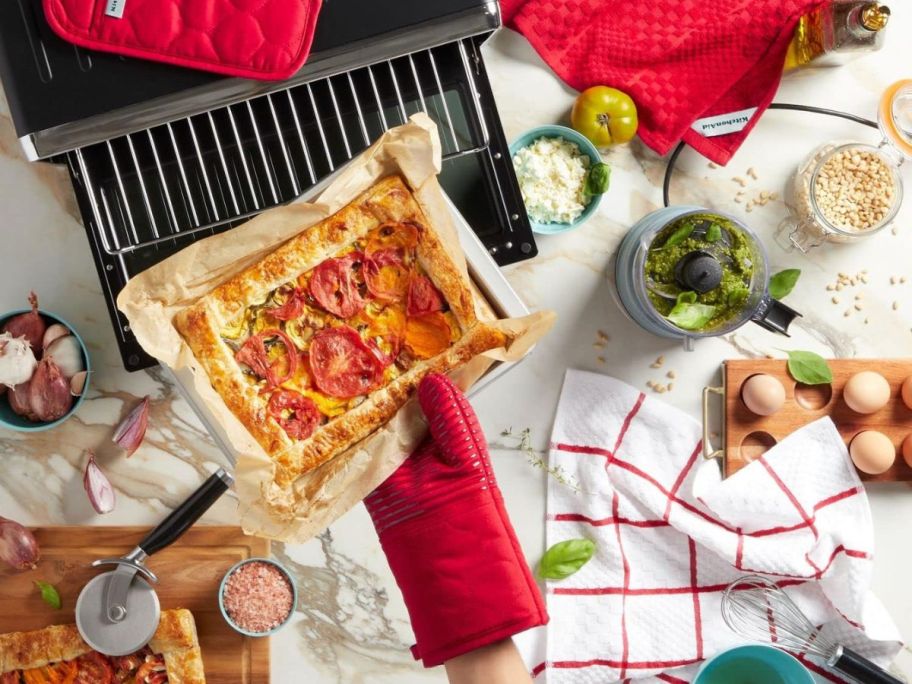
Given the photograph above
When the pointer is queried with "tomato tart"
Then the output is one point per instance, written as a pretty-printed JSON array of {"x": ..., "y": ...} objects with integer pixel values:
[
  {"x": 59, "y": 655},
  {"x": 321, "y": 342}
]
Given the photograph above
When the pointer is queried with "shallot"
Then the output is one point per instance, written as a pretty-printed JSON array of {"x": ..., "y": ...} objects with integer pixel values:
[
  {"x": 129, "y": 434},
  {"x": 67, "y": 354},
  {"x": 49, "y": 392},
  {"x": 17, "y": 361},
  {"x": 29, "y": 325},
  {"x": 54, "y": 331},
  {"x": 98, "y": 487},
  {"x": 18, "y": 546},
  {"x": 19, "y": 401},
  {"x": 77, "y": 383}
]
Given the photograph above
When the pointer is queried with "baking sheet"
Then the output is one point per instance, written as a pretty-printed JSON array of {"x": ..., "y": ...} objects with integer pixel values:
[{"x": 298, "y": 510}]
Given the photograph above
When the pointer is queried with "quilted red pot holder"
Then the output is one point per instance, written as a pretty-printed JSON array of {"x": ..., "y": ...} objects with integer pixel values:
[{"x": 261, "y": 39}]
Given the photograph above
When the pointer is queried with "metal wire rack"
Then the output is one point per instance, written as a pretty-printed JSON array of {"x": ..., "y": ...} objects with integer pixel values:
[{"x": 207, "y": 172}]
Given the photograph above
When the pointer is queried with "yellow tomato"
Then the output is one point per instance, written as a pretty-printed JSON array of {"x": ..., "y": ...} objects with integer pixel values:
[{"x": 605, "y": 115}]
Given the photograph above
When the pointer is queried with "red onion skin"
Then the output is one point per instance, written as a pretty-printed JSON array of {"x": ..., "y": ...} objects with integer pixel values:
[
  {"x": 20, "y": 402},
  {"x": 29, "y": 325},
  {"x": 18, "y": 546},
  {"x": 49, "y": 392}
]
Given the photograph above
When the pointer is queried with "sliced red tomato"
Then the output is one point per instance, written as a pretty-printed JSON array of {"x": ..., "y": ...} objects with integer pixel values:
[
  {"x": 94, "y": 668},
  {"x": 423, "y": 296},
  {"x": 153, "y": 671},
  {"x": 342, "y": 364},
  {"x": 298, "y": 415},
  {"x": 292, "y": 307},
  {"x": 386, "y": 276},
  {"x": 125, "y": 666},
  {"x": 401, "y": 237},
  {"x": 254, "y": 355},
  {"x": 428, "y": 335},
  {"x": 336, "y": 285}
]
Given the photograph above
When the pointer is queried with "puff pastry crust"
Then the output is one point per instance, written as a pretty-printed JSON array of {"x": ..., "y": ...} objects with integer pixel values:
[
  {"x": 175, "y": 639},
  {"x": 201, "y": 325}
]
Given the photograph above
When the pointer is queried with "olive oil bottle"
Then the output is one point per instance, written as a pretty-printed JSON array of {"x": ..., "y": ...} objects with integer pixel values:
[{"x": 837, "y": 32}]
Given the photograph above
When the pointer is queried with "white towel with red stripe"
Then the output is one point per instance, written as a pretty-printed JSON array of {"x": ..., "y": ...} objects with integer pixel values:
[{"x": 671, "y": 534}]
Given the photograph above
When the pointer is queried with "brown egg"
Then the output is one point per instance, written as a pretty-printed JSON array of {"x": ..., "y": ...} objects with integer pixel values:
[
  {"x": 763, "y": 394},
  {"x": 907, "y": 450},
  {"x": 872, "y": 452},
  {"x": 866, "y": 392},
  {"x": 907, "y": 392}
]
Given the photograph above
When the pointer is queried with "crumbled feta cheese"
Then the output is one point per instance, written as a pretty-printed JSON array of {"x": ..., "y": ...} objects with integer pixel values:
[{"x": 552, "y": 175}]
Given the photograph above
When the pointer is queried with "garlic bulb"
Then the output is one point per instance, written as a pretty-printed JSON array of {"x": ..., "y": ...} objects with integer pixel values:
[{"x": 17, "y": 361}]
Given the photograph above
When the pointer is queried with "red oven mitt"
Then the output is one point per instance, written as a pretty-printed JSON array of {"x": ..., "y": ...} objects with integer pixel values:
[
  {"x": 448, "y": 539},
  {"x": 680, "y": 60},
  {"x": 264, "y": 40}
]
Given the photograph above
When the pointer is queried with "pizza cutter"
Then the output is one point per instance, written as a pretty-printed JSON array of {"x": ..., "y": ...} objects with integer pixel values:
[{"x": 117, "y": 612}]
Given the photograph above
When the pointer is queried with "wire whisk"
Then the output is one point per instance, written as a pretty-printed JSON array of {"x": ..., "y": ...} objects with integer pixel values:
[{"x": 757, "y": 609}]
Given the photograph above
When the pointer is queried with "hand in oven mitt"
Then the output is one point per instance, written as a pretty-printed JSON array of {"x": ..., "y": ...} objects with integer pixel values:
[{"x": 449, "y": 542}]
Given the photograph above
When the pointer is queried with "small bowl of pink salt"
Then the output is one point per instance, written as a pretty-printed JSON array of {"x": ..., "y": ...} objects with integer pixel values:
[{"x": 257, "y": 597}]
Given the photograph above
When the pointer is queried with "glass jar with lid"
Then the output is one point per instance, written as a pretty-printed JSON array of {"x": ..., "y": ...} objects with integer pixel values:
[{"x": 845, "y": 191}]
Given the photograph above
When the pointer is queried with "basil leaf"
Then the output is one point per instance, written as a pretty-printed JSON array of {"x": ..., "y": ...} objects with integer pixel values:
[
  {"x": 49, "y": 594},
  {"x": 679, "y": 235},
  {"x": 809, "y": 368},
  {"x": 687, "y": 297},
  {"x": 597, "y": 179},
  {"x": 691, "y": 316},
  {"x": 565, "y": 558},
  {"x": 783, "y": 282},
  {"x": 714, "y": 233}
]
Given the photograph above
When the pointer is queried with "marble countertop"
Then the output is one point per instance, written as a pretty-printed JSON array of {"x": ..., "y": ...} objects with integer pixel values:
[{"x": 351, "y": 624}]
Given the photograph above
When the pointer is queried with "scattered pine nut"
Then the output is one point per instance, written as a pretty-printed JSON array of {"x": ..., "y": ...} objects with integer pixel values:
[
  {"x": 601, "y": 359},
  {"x": 740, "y": 181},
  {"x": 835, "y": 300},
  {"x": 713, "y": 165},
  {"x": 847, "y": 313},
  {"x": 903, "y": 279},
  {"x": 738, "y": 200},
  {"x": 658, "y": 362},
  {"x": 858, "y": 307},
  {"x": 895, "y": 306},
  {"x": 752, "y": 173},
  {"x": 671, "y": 374},
  {"x": 669, "y": 386},
  {"x": 830, "y": 288},
  {"x": 893, "y": 280}
]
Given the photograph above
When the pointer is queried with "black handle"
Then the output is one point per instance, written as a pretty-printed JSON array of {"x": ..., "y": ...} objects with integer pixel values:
[
  {"x": 775, "y": 316},
  {"x": 862, "y": 669},
  {"x": 182, "y": 517}
]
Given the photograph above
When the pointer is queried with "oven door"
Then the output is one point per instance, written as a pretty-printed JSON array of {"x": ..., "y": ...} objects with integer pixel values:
[{"x": 146, "y": 195}]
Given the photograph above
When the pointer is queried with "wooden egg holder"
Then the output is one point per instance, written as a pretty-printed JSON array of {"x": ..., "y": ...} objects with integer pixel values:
[{"x": 747, "y": 435}]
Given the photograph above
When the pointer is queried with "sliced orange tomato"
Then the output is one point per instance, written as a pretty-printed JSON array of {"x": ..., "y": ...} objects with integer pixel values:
[
  {"x": 428, "y": 335},
  {"x": 401, "y": 236}
]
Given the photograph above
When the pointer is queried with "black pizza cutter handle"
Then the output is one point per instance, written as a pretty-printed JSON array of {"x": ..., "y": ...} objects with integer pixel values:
[
  {"x": 861, "y": 669},
  {"x": 181, "y": 518}
]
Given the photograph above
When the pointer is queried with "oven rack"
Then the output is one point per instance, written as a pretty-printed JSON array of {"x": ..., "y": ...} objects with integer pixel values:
[{"x": 212, "y": 170}]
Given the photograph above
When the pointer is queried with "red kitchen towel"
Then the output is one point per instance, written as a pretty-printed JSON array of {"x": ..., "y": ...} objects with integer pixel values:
[
  {"x": 680, "y": 60},
  {"x": 261, "y": 39},
  {"x": 670, "y": 536}
]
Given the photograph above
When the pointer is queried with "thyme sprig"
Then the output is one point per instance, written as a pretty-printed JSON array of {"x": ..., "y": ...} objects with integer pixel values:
[{"x": 523, "y": 442}]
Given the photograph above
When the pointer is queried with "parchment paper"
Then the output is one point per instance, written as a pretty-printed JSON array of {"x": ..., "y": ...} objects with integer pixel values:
[{"x": 151, "y": 299}]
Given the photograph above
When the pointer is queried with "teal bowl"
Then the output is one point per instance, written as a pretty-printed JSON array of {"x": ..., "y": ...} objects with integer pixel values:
[
  {"x": 585, "y": 146},
  {"x": 753, "y": 663},
  {"x": 13, "y": 421},
  {"x": 221, "y": 597}
]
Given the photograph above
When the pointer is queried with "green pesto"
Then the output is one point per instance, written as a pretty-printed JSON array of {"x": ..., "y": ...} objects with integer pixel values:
[{"x": 701, "y": 232}]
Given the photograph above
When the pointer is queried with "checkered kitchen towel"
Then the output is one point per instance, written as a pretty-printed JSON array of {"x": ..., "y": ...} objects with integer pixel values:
[{"x": 646, "y": 607}]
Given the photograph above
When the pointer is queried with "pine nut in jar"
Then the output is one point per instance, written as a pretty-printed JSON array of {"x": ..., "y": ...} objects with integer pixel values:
[{"x": 844, "y": 191}]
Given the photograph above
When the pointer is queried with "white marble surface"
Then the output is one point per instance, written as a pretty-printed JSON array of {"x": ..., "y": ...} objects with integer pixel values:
[{"x": 351, "y": 624}]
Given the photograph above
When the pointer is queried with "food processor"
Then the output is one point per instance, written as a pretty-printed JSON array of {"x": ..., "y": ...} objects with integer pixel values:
[{"x": 686, "y": 272}]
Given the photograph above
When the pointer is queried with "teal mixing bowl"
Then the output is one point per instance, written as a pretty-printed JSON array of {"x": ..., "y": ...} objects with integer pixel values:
[
  {"x": 585, "y": 146},
  {"x": 13, "y": 421},
  {"x": 753, "y": 664}
]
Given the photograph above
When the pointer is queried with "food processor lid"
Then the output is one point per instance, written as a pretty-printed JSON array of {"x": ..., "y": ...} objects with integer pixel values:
[{"x": 894, "y": 117}]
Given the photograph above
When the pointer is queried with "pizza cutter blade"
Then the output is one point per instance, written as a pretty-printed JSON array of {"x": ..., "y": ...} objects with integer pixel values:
[{"x": 117, "y": 612}]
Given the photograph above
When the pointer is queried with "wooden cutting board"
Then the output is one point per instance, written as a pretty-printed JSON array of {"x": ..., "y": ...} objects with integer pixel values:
[{"x": 189, "y": 573}]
